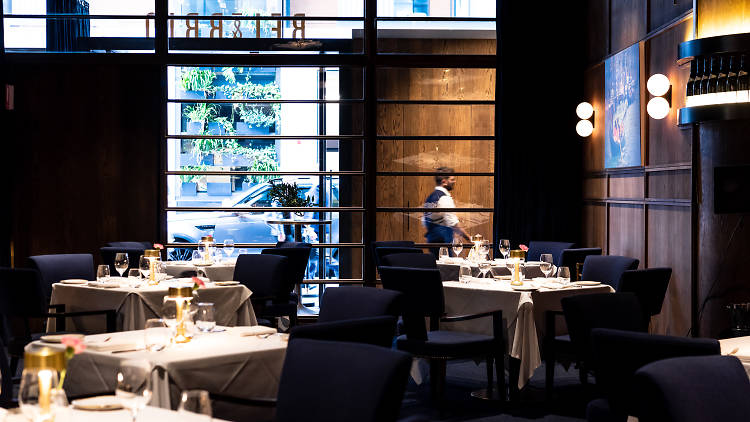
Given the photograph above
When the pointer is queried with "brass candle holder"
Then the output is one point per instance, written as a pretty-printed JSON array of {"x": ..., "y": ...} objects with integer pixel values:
[
  {"x": 182, "y": 296},
  {"x": 154, "y": 256},
  {"x": 41, "y": 366}
]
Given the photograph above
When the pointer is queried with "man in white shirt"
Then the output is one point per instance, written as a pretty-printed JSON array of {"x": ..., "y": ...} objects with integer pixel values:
[{"x": 442, "y": 226}]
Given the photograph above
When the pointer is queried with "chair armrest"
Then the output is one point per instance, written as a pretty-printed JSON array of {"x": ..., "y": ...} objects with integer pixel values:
[
  {"x": 60, "y": 307},
  {"x": 110, "y": 314},
  {"x": 260, "y": 402},
  {"x": 470, "y": 316}
]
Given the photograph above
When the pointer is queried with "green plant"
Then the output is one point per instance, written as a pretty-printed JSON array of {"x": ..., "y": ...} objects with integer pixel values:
[
  {"x": 289, "y": 195},
  {"x": 260, "y": 115},
  {"x": 262, "y": 160},
  {"x": 196, "y": 79},
  {"x": 188, "y": 178},
  {"x": 201, "y": 112}
]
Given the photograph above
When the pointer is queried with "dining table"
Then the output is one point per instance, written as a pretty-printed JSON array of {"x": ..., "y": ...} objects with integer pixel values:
[
  {"x": 738, "y": 347},
  {"x": 136, "y": 302},
  {"x": 449, "y": 268},
  {"x": 148, "y": 414},
  {"x": 222, "y": 270},
  {"x": 238, "y": 362}
]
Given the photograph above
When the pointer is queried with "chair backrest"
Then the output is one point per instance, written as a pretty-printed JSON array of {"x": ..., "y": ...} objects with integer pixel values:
[
  {"x": 693, "y": 389},
  {"x": 538, "y": 247},
  {"x": 382, "y": 251},
  {"x": 54, "y": 268},
  {"x": 608, "y": 268},
  {"x": 21, "y": 293},
  {"x": 410, "y": 260},
  {"x": 340, "y": 303},
  {"x": 108, "y": 254},
  {"x": 265, "y": 275},
  {"x": 388, "y": 244},
  {"x": 618, "y": 354},
  {"x": 298, "y": 258},
  {"x": 583, "y": 313},
  {"x": 571, "y": 257},
  {"x": 328, "y": 381},
  {"x": 423, "y": 296},
  {"x": 131, "y": 245},
  {"x": 283, "y": 244},
  {"x": 649, "y": 285},
  {"x": 377, "y": 330}
]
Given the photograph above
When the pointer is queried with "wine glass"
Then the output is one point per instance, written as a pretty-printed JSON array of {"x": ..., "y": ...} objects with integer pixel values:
[
  {"x": 196, "y": 256},
  {"x": 169, "y": 313},
  {"x": 144, "y": 264},
  {"x": 204, "y": 318},
  {"x": 546, "y": 264},
  {"x": 134, "y": 385},
  {"x": 196, "y": 401},
  {"x": 156, "y": 334},
  {"x": 30, "y": 394},
  {"x": 229, "y": 247},
  {"x": 457, "y": 246},
  {"x": 443, "y": 254},
  {"x": 484, "y": 250},
  {"x": 102, "y": 273},
  {"x": 563, "y": 273},
  {"x": 484, "y": 268},
  {"x": 464, "y": 273},
  {"x": 505, "y": 247},
  {"x": 121, "y": 262}
]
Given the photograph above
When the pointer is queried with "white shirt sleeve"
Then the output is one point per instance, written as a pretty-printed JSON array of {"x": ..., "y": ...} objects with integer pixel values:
[{"x": 449, "y": 218}]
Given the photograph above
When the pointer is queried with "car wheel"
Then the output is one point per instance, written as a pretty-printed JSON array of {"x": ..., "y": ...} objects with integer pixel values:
[{"x": 180, "y": 254}]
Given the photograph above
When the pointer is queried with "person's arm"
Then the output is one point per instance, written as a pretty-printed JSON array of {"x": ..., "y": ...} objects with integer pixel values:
[{"x": 451, "y": 219}]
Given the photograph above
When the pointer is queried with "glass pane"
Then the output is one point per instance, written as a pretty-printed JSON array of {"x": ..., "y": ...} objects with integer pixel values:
[
  {"x": 445, "y": 37},
  {"x": 325, "y": 8},
  {"x": 426, "y": 84},
  {"x": 412, "y": 191},
  {"x": 427, "y": 156},
  {"x": 438, "y": 8},
  {"x": 408, "y": 226},
  {"x": 436, "y": 120}
]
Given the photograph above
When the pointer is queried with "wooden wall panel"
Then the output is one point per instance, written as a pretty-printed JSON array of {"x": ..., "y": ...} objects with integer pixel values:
[
  {"x": 669, "y": 184},
  {"x": 593, "y": 146},
  {"x": 597, "y": 35},
  {"x": 662, "y": 12},
  {"x": 626, "y": 231},
  {"x": 626, "y": 186},
  {"x": 595, "y": 187},
  {"x": 595, "y": 226},
  {"x": 668, "y": 143},
  {"x": 669, "y": 246},
  {"x": 628, "y": 23}
]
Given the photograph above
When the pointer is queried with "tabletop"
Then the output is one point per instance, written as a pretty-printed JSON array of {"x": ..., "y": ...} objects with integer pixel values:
[{"x": 148, "y": 414}]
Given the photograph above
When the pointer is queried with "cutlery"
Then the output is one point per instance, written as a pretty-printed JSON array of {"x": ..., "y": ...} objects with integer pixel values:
[
  {"x": 264, "y": 336},
  {"x": 127, "y": 350},
  {"x": 735, "y": 350}
]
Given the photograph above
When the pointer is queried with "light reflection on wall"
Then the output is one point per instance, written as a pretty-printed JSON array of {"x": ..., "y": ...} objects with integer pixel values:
[{"x": 720, "y": 17}]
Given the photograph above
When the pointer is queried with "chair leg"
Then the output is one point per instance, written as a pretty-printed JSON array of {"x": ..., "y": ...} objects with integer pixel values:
[
  {"x": 13, "y": 366},
  {"x": 514, "y": 370},
  {"x": 437, "y": 379},
  {"x": 500, "y": 371},
  {"x": 549, "y": 372},
  {"x": 292, "y": 320},
  {"x": 490, "y": 383}
]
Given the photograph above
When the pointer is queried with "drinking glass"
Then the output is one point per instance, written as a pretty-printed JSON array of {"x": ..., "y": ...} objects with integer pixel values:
[
  {"x": 457, "y": 246},
  {"x": 169, "y": 313},
  {"x": 196, "y": 401},
  {"x": 242, "y": 251},
  {"x": 134, "y": 385},
  {"x": 29, "y": 397},
  {"x": 505, "y": 247},
  {"x": 144, "y": 264},
  {"x": 204, "y": 318},
  {"x": 510, "y": 264},
  {"x": 546, "y": 264},
  {"x": 156, "y": 334},
  {"x": 102, "y": 273},
  {"x": 228, "y": 247},
  {"x": 563, "y": 273},
  {"x": 484, "y": 249},
  {"x": 484, "y": 268},
  {"x": 464, "y": 273},
  {"x": 196, "y": 256},
  {"x": 443, "y": 253},
  {"x": 121, "y": 262}
]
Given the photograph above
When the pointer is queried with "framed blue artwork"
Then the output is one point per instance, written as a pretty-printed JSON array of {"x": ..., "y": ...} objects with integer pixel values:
[{"x": 622, "y": 117}]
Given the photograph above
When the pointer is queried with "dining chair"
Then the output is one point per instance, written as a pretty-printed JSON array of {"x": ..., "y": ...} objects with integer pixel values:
[
  {"x": 298, "y": 259},
  {"x": 618, "y": 354},
  {"x": 284, "y": 244},
  {"x": 22, "y": 302},
  {"x": 410, "y": 260},
  {"x": 607, "y": 269},
  {"x": 54, "y": 268},
  {"x": 423, "y": 297},
  {"x": 649, "y": 286},
  {"x": 383, "y": 251},
  {"x": 388, "y": 244},
  {"x": 130, "y": 244},
  {"x": 377, "y": 331},
  {"x": 538, "y": 247},
  {"x": 693, "y": 389},
  {"x": 573, "y": 256},
  {"x": 108, "y": 254},
  {"x": 266, "y": 276}
]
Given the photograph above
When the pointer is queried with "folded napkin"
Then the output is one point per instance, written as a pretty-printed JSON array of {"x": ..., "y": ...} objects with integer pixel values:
[
  {"x": 112, "y": 345},
  {"x": 104, "y": 284},
  {"x": 254, "y": 330}
]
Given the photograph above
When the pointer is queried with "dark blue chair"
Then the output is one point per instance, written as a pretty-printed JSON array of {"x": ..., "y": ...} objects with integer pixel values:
[
  {"x": 340, "y": 303},
  {"x": 54, "y": 268},
  {"x": 649, "y": 286},
  {"x": 131, "y": 245},
  {"x": 388, "y": 244},
  {"x": 283, "y": 244},
  {"x": 6, "y": 394},
  {"x": 571, "y": 257},
  {"x": 266, "y": 276},
  {"x": 693, "y": 389},
  {"x": 377, "y": 331},
  {"x": 410, "y": 260},
  {"x": 423, "y": 297},
  {"x": 383, "y": 251},
  {"x": 618, "y": 354},
  {"x": 298, "y": 258},
  {"x": 607, "y": 269},
  {"x": 108, "y": 254},
  {"x": 537, "y": 248}
]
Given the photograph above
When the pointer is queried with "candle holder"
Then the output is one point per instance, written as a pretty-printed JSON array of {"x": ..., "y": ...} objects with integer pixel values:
[
  {"x": 182, "y": 297},
  {"x": 38, "y": 397},
  {"x": 153, "y": 256},
  {"x": 208, "y": 245}
]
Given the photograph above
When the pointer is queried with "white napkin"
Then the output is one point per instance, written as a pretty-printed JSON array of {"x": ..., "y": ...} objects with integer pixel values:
[
  {"x": 104, "y": 284},
  {"x": 254, "y": 330},
  {"x": 112, "y": 346}
]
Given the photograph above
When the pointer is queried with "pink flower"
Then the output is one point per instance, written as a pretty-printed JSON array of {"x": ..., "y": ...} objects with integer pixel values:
[
  {"x": 158, "y": 246},
  {"x": 198, "y": 283},
  {"x": 74, "y": 345},
  {"x": 523, "y": 247}
]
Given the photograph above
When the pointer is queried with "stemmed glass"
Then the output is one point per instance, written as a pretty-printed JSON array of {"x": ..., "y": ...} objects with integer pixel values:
[
  {"x": 563, "y": 273},
  {"x": 546, "y": 264},
  {"x": 102, "y": 273},
  {"x": 457, "y": 246},
  {"x": 229, "y": 247},
  {"x": 484, "y": 268},
  {"x": 484, "y": 249},
  {"x": 134, "y": 385},
  {"x": 144, "y": 264},
  {"x": 505, "y": 247},
  {"x": 204, "y": 318},
  {"x": 121, "y": 262},
  {"x": 156, "y": 334},
  {"x": 196, "y": 401},
  {"x": 443, "y": 254}
]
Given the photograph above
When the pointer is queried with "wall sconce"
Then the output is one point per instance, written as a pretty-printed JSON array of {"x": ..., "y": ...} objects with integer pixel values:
[
  {"x": 585, "y": 112},
  {"x": 659, "y": 86}
]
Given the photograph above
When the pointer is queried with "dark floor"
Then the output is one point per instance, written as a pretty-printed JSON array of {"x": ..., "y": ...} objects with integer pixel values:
[{"x": 463, "y": 377}]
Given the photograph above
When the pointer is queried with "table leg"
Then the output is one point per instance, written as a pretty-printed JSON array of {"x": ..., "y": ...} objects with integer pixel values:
[{"x": 297, "y": 233}]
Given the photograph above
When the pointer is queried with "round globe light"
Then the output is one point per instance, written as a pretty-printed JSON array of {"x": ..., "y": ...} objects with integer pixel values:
[
  {"x": 658, "y": 85},
  {"x": 584, "y": 110},
  {"x": 584, "y": 128},
  {"x": 657, "y": 108}
]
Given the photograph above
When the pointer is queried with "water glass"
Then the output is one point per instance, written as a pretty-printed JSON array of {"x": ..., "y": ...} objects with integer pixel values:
[
  {"x": 546, "y": 264},
  {"x": 242, "y": 251},
  {"x": 144, "y": 264},
  {"x": 204, "y": 317},
  {"x": 102, "y": 273},
  {"x": 28, "y": 394},
  {"x": 121, "y": 262},
  {"x": 229, "y": 247},
  {"x": 443, "y": 254},
  {"x": 197, "y": 402},
  {"x": 156, "y": 334},
  {"x": 505, "y": 247},
  {"x": 563, "y": 273},
  {"x": 457, "y": 246},
  {"x": 196, "y": 256},
  {"x": 464, "y": 273},
  {"x": 134, "y": 385}
]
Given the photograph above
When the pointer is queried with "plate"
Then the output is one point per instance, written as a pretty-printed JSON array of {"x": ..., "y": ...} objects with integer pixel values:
[
  {"x": 524, "y": 288},
  {"x": 57, "y": 338},
  {"x": 533, "y": 263},
  {"x": 74, "y": 281},
  {"x": 502, "y": 277},
  {"x": 586, "y": 283},
  {"x": 226, "y": 283},
  {"x": 203, "y": 264},
  {"x": 98, "y": 403}
]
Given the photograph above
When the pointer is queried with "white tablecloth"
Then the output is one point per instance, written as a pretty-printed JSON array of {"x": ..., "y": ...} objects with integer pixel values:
[
  {"x": 149, "y": 414},
  {"x": 220, "y": 271},
  {"x": 449, "y": 270},
  {"x": 523, "y": 314},
  {"x": 742, "y": 344},
  {"x": 135, "y": 305}
]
